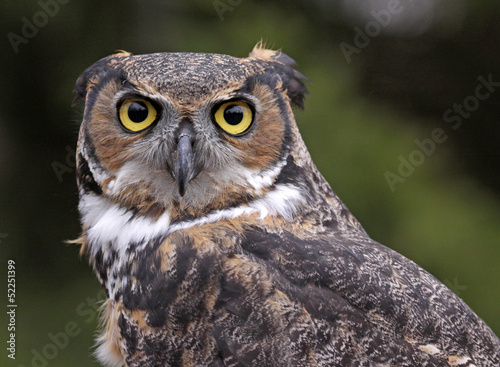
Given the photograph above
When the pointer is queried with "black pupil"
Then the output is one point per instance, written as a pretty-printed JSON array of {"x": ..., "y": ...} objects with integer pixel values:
[
  {"x": 138, "y": 112},
  {"x": 233, "y": 114}
]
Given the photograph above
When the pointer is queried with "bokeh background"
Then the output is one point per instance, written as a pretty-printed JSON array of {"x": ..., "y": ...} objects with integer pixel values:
[{"x": 383, "y": 74}]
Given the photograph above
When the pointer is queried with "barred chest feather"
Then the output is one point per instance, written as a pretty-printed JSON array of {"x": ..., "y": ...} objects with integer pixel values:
[{"x": 174, "y": 289}]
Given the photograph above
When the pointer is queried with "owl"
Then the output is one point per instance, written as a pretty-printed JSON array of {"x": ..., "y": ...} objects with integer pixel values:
[{"x": 219, "y": 243}]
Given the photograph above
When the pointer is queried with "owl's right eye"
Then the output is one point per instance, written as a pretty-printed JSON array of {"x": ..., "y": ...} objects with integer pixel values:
[{"x": 137, "y": 114}]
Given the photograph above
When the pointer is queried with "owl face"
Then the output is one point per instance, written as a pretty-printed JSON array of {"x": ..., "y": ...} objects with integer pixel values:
[{"x": 186, "y": 132}]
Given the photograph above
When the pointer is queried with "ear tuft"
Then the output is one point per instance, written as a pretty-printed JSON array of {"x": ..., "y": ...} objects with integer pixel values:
[
  {"x": 90, "y": 76},
  {"x": 294, "y": 80},
  {"x": 297, "y": 89},
  {"x": 121, "y": 53},
  {"x": 261, "y": 52}
]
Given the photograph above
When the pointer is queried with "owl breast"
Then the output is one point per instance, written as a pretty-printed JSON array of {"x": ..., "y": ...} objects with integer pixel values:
[{"x": 196, "y": 299}]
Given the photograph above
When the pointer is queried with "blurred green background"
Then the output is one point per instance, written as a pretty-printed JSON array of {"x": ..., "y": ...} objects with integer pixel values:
[{"x": 371, "y": 97}]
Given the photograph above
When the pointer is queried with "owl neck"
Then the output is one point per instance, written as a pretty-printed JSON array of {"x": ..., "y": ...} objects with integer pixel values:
[{"x": 322, "y": 202}]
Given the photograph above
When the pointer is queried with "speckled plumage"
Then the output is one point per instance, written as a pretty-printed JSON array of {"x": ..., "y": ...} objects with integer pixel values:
[{"x": 258, "y": 263}]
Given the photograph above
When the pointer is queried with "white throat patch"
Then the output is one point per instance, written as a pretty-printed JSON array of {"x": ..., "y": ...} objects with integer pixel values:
[{"x": 108, "y": 223}]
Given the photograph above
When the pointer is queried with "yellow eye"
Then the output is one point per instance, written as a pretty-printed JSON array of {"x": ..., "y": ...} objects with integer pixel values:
[
  {"x": 137, "y": 114},
  {"x": 234, "y": 117}
]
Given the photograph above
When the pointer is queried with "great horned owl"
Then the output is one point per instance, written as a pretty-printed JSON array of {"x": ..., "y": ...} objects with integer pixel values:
[{"x": 219, "y": 243}]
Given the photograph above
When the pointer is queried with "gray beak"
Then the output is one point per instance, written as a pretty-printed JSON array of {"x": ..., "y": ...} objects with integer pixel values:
[{"x": 184, "y": 166}]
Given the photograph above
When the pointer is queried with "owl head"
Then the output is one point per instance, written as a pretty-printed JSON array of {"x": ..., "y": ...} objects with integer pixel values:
[{"x": 188, "y": 133}]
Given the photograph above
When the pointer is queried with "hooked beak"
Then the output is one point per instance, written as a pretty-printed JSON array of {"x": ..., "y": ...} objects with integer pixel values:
[{"x": 184, "y": 167}]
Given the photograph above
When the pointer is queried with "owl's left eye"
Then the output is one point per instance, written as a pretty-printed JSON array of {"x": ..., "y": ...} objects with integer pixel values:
[
  {"x": 137, "y": 114},
  {"x": 234, "y": 117}
]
